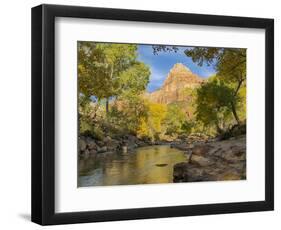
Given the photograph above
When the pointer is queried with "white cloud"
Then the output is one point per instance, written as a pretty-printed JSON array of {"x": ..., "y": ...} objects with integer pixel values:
[
  {"x": 207, "y": 73},
  {"x": 157, "y": 75}
]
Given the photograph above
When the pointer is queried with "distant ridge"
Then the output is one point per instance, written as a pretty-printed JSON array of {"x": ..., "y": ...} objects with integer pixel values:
[{"x": 179, "y": 78}]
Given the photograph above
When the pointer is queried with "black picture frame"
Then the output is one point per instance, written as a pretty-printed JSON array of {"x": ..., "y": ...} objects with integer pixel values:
[{"x": 43, "y": 114}]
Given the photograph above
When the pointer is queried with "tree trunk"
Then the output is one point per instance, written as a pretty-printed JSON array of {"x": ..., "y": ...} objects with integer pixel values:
[
  {"x": 233, "y": 105},
  {"x": 107, "y": 106},
  {"x": 235, "y": 113},
  {"x": 107, "y": 99},
  {"x": 238, "y": 87},
  {"x": 219, "y": 129}
]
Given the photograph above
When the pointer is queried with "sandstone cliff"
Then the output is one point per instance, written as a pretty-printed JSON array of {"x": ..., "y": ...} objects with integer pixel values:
[{"x": 178, "y": 79}]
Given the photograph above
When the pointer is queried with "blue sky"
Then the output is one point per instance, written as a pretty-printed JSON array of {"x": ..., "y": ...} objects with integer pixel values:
[{"x": 161, "y": 64}]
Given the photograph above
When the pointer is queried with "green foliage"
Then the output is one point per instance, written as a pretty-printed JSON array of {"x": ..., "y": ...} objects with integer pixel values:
[
  {"x": 163, "y": 48},
  {"x": 92, "y": 69},
  {"x": 213, "y": 102},
  {"x": 110, "y": 73},
  {"x": 134, "y": 80},
  {"x": 151, "y": 125},
  {"x": 162, "y": 121},
  {"x": 89, "y": 118},
  {"x": 112, "y": 83},
  {"x": 241, "y": 103},
  {"x": 126, "y": 114},
  {"x": 200, "y": 55},
  {"x": 231, "y": 68},
  {"x": 176, "y": 120},
  {"x": 106, "y": 70},
  {"x": 230, "y": 63}
]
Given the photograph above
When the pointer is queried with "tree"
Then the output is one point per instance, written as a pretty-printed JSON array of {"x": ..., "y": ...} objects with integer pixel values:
[
  {"x": 151, "y": 125},
  {"x": 90, "y": 72},
  {"x": 89, "y": 119},
  {"x": 106, "y": 70},
  {"x": 164, "y": 48},
  {"x": 134, "y": 80},
  {"x": 175, "y": 120},
  {"x": 127, "y": 113},
  {"x": 230, "y": 65},
  {"x": 214, "y": 103}
]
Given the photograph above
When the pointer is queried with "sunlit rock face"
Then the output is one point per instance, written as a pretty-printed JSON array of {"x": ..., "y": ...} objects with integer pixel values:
[{"x": 178, "y": 79}]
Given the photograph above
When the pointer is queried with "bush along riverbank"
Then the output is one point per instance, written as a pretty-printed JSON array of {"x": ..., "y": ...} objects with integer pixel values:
[{"x": 213, "y": 160}]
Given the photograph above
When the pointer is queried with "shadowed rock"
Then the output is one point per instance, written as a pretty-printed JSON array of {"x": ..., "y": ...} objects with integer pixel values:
[
  {"x": 216, "y": 161},
  {"x": 161, "y": 165}
]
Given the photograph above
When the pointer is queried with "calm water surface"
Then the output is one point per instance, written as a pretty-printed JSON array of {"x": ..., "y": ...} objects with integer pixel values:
[{"x": 146, "y": 165}]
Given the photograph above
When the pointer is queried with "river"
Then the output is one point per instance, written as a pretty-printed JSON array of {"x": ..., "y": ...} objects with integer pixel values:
[{"x": 146, "y": 165}]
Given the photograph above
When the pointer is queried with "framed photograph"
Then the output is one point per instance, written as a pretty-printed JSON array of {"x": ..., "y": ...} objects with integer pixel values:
[{"x": 142, "y": 114}]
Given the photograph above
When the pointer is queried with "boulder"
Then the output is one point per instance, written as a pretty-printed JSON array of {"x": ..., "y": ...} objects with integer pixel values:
[
  {"x": 141, "y": 143},
  {"x": 215, "y": 161},
  {"x": 100, "y": 143},
  {"x": 202, "y": 161},
  {"x": 132, "y": 138},
  {"x": 112, "y": 145},
  {"x": 93, "y": 153},
  {"x": 124, "y": 149},
  {"x": 232, "y": 154},
  {"x": 201, "y": 150},
  {"x": 179, "y": 171},
  {"x": 107, "y": 139},
  {"x": 102, "y": 149},
  {"x": 92, "y": 144},
  {"x": 130, "y": 142},
  {"x": 230, "y": 174},
  {"x": 82, "y": 144},
  {"x": 86, "y": 153},
  {"x": 185, "y": 172},
  {"x": 111, "y": 148}
]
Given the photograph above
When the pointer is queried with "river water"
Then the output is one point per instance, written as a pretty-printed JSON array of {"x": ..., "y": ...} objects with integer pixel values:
[{"x": 146, "y": 165}]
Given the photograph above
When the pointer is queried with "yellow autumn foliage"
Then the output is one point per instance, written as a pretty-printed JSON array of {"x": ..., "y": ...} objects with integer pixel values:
[{"x": 152, "y": 125}]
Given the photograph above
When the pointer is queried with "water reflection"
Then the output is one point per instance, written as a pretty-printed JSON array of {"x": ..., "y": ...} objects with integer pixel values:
[{"x": 147, "y": 165}]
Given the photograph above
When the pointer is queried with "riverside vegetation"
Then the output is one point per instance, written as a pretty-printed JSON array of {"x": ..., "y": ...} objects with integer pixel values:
[{"x": 205, "y": 118}]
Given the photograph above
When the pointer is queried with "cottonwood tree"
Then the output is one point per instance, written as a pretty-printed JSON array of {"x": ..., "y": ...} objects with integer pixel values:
[
  {"x": 230, "y": 65},
  {"x": 214, "y": 104},
  {"x": 106, "y": 70}
]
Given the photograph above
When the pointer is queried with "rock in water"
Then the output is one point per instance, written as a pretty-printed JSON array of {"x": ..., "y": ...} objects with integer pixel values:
[
  {"x": 161, "y": 165},
  {"x": 102, "y": 149},
  {"x": 82, "y": 145},
  {"x": 124, "y": 149}
]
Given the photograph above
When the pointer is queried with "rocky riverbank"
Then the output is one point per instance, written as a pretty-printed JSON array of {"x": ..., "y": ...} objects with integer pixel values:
[
  {"x": 212, "y": 160},
  {"x": 206, "y": 159},
  {"x": 89, "y": 147}
]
